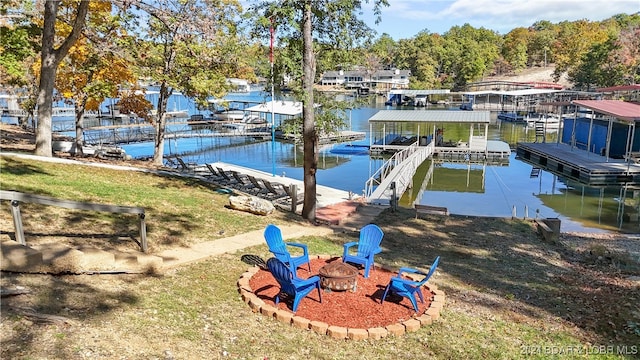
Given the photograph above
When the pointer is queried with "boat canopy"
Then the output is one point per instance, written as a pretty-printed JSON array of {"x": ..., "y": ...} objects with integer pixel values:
[
  {"x": 279, "y": 107},
  {"x": 432, "y": 116},
  {"x": 522, "y": 92}
]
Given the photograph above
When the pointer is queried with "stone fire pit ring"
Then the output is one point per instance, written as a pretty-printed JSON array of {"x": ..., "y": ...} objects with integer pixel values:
[{"x": 257, "y": 305}]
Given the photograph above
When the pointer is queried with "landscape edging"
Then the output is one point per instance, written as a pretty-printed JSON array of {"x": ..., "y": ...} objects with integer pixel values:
[{"x": 257, "y": 305}]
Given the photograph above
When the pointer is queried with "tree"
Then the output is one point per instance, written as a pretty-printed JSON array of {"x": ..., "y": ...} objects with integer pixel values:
[
  {"x": 187, "y": 45},
  {"x": 385, "y": 48},
  {"x": 515, "y": 48},
  {"x": 20, "y": 39},
  {"x": 332, "y": 21},
  {"x": 470, "y": 53},
  {"x": 17, "y": 50},
  {"x": 627, "y": 54},
  {"x": 595, "y": 69},
  {"x": 541, "y": 39},
  {"x": 423, "y": 56},
  {"x": 50, "y": 58},
  {"x": 573, "y": 41},
  {"x": 95, "y": 67}
]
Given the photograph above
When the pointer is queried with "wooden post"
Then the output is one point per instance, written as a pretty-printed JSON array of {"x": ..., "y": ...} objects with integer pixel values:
[
  {"x": 17, "y": 222},
  {"x": 293, "y": 189},
  {"x": 394, "y": 197}
]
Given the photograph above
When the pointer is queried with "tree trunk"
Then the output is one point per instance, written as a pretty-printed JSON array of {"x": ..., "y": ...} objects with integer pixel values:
[
  {"x": 50, "y": 58},
  {"x": 47, "y": 80},
  {"x": 79, "y": 109},
  {"x": 309, "y": 136},
  {"x": 161, "y": 124}
]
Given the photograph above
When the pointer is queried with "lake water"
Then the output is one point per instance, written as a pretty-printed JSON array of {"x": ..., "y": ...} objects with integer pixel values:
[{"x": 465, "y": 189}]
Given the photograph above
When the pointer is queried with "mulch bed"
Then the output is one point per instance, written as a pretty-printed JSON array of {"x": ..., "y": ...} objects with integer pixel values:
[{"x": 360, "y": 309}]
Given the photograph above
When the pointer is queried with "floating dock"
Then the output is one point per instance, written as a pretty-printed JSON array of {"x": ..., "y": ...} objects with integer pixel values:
[{"x": 586, "y": 167}]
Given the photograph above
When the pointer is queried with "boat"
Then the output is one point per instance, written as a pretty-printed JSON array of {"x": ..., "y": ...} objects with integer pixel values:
[
  {"x": 222, "y": 112},
  {"x": 421, "y": 100},
  {"x": 548, "y": 122},
  {"x": 246, "y": 123},
  {"x": 466, "y": 106},
  {"x": 230, "y": 114},
  {"x": 351, "y": 149},
  {"x": 511, "y": 116},
  {"x": 200, "y": 119}
]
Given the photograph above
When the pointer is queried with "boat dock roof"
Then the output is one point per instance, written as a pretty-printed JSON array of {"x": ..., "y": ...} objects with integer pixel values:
[
  {"x": 618, "y": 109},
  {"x": 521, "y": 92},
  {"x": 412, "y": 93},
  {"x": 291, "y": 108},
  {"x": 432, "y": 116}
]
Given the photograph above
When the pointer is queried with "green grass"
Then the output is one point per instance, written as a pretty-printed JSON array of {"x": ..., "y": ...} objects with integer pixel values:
[
  {"x": 179, "y": 211},
  {"x": 508, "y": 294}
]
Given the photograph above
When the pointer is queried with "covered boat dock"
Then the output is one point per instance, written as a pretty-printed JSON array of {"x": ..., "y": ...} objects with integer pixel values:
[
  {"x": 601, "y": 149},
  {"x": 413, "y": 97},
  {"x": 425, "y": 139},
  {"x": 394, "y": 130}
]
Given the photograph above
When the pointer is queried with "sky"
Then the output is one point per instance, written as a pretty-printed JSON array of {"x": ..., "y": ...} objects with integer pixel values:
[{"x": 404, "y": 19}]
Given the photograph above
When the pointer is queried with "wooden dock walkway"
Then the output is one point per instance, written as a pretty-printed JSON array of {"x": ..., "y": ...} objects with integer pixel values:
[{"x": 580, "y": 165}]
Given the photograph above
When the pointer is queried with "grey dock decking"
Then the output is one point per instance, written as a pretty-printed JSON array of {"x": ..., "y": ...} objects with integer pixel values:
[{"x": 588, "y": 168}]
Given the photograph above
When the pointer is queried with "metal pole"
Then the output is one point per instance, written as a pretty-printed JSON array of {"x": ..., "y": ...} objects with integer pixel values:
[
  {"x": 273, "y": 128},
  {"x": 273, "y": 118}
]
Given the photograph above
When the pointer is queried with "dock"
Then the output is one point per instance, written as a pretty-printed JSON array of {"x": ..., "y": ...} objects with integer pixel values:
[
  {"x": 323, "y": 139},
  {"x": 395, "y": 176},
  {"x": 586, "y": 167},
  {"x": 327, "y": 196}
]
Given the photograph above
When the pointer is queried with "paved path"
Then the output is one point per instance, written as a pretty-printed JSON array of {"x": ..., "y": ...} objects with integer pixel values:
[
  {"x": 181, "y": 256},
  {"x": 364, "y": 215}
]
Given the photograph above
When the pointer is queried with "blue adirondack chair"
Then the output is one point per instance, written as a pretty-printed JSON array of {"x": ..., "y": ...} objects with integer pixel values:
[
  {"x": 292, "y": 285},
  {"x": 368, "y": 246},
  {"x": 278, "y": 247},
  {"x": 408, "y": 288}
]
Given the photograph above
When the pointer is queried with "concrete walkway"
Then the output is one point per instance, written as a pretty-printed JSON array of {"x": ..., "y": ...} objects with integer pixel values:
[
  {"x": 181, "y": 256},
  {"x": 362, "y": 216}
]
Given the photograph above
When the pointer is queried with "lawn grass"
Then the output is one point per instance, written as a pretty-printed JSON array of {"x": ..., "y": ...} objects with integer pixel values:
[
  {"x": 179, "y": 210},
  {"x": 509, "y": 295}
]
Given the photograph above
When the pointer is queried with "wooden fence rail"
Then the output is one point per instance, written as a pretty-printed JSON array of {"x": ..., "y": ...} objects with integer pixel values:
[{"x": 17, "y": 197}]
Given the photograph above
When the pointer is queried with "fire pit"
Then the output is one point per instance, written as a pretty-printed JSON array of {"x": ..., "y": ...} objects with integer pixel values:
[{"x": 338, "y": 276}]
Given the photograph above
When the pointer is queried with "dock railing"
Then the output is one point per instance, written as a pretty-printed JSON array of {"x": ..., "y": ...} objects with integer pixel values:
[{"x": 399, "y": 169}]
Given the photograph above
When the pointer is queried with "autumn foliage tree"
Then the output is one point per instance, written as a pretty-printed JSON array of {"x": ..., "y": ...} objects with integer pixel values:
[
  {"x": 186, "y": 45},
  {"x": 20, "y": 38},
  {"x": 95, "y": 68}
]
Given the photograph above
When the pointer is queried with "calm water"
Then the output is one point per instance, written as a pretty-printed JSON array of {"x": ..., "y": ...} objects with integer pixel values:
[{"x": 475, "y": 189}]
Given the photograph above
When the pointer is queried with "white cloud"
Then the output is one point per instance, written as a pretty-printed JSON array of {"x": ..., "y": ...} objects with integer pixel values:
[{"x": 404, "y": 18}]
